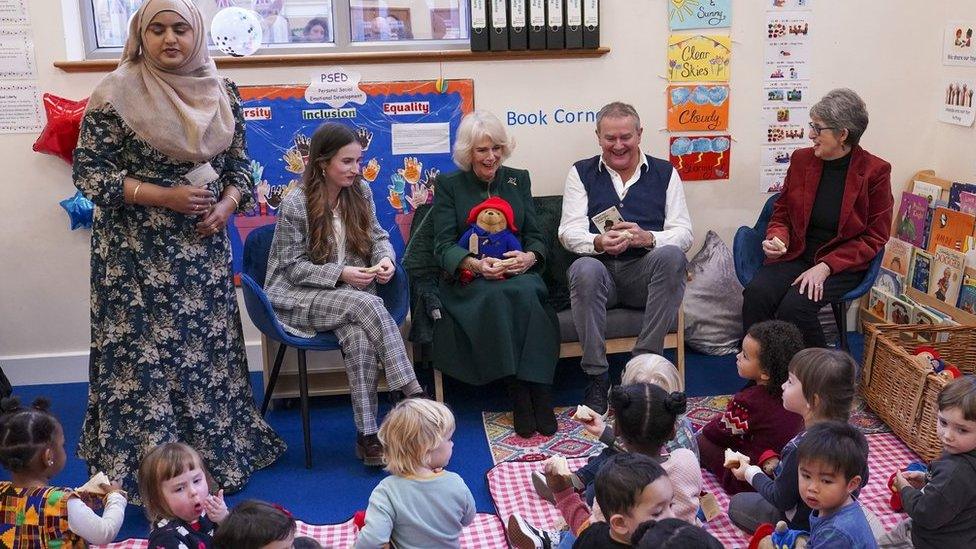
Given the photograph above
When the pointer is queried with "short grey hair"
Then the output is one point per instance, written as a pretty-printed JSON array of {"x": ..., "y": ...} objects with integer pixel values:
[
  {"x": 617, "y": 109},
  {"x": 475, "y": 126},
  {"x": 844, "y": 110}
]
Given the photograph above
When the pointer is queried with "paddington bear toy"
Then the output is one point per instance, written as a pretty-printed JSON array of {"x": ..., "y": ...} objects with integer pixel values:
[{"x": 492, "y": 230}]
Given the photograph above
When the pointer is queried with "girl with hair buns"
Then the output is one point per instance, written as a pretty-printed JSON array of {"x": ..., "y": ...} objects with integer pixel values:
[
  {"x": 32, "y": 451},
  {"x": 162, "y": 155}
]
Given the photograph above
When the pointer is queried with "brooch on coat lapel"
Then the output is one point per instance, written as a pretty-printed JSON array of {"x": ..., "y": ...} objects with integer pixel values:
[{"x": 512, "y": 181}]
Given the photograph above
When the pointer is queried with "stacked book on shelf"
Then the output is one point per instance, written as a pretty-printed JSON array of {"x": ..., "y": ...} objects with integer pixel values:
[{"x": 932, "y": 253}]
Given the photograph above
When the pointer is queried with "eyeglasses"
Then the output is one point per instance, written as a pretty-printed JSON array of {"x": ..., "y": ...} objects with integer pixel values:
[{"x": 815, "y": 129}]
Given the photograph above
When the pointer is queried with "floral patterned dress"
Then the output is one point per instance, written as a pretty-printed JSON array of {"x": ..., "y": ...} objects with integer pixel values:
[{"x": 167, "y": 352}]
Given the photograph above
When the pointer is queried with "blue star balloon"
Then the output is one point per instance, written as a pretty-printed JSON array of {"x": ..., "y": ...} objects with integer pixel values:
[{"x": 79, "y": 210}]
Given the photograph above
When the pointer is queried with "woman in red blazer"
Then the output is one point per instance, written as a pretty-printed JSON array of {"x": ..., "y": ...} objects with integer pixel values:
[{"x": 832, "y": 218}]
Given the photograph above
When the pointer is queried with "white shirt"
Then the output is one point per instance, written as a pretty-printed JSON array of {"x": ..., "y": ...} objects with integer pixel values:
[
  {"x": 574, "y": 227},
  {"x": 96, "y": 529}
]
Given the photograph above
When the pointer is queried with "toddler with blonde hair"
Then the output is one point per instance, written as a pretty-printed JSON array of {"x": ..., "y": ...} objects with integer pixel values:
[{"x": 420, "y": 504}]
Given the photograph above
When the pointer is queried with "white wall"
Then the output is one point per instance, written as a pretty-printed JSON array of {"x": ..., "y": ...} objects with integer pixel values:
[{"x": 887, "y": 50}]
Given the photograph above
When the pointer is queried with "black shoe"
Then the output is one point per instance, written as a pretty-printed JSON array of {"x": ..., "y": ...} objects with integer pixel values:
[
  {"x": 545, "y": 419},
  {"x": 525, "y": 536},
  {"x": 522, "y": 415},
  {"x": 596, "y": 393}
]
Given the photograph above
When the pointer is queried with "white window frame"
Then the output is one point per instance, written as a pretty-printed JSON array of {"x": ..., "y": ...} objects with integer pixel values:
[{"x": 341, "y": 35}]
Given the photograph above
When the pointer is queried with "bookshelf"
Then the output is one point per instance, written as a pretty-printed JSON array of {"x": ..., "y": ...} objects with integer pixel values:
[{"x": 962, "y": 317}]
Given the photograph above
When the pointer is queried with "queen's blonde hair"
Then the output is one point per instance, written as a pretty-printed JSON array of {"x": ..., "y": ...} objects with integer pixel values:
[
  {"x": 475, "y": 126},
  {"x": 653, "y": 369},
  {"x": 410, "y": 431}
]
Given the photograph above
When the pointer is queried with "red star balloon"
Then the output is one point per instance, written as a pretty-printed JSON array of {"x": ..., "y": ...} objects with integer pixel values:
[{"x": 60, "y": 136}]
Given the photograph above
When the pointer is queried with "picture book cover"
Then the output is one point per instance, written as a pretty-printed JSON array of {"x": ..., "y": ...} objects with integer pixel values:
[
  {"x": 878, "y": 303},
  {"x": 929, "y": 191},
  {"x": 922, "y": 315},
  {"x": 956, "y": 190},
  {"x": 889, "y": 282},
  {"x": 950, "y": 229},
  {"x": 967, "y": 292},
  {"x": 897, "y": 256},
  {"x": 947, "y": 271},
  {"x": 899, "y": 311},
  {"x": 967, "y": 202},
  {"x": 921, "y": 270},
  {"x": 910, "y": 223}
]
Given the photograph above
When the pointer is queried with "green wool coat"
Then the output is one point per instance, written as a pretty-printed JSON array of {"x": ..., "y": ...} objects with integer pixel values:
[{"x": 491, "y": 329}]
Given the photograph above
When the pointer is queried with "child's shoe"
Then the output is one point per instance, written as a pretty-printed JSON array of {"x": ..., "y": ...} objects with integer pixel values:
[{"x": 525, "y": 536}]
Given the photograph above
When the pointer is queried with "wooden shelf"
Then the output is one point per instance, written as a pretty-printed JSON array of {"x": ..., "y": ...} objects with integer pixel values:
[{"x": 355, "y": 58}]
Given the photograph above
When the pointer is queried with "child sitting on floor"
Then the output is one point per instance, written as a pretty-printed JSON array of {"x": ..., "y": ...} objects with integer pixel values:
[
  {"x": 941, "y": 505},
  {"x": 831, "y": 458},
  {"x": 420, "y": 505},
  {"x": 820, "y": 387},
  {"x": 175, "y": 487},
  {"x": 672, "y": 533},
  {"x": 254, "y": 524},
  {"x": 754, "y": 422},
  {"x": 32, "y": 450},
  {"x": 643, "y": 368},
  {"x": 631, "y": 488}
]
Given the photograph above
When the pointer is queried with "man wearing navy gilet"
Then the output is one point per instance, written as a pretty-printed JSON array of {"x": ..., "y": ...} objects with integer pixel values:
[{"x": 639, "y": 263}]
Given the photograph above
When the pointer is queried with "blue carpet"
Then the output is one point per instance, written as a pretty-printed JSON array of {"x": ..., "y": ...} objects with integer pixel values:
[{"x": 338, "y": 484}]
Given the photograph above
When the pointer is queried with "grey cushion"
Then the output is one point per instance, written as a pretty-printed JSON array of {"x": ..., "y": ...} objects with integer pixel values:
[
  {"x": 713, "y": 300},
  {"x": 620, "y": 323}
]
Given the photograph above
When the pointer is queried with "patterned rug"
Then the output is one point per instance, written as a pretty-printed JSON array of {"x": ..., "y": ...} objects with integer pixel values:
[
  {"x": 486, "y": 532},
  {"x": 573, "y": 441}
]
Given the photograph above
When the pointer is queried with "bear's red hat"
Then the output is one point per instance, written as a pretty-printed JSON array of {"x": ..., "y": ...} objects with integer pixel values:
[{"x": 497, "y": 203}]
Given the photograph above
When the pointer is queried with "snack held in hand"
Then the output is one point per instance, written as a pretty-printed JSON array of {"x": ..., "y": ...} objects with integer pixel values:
[
  {"x": 584, "y": 414},
  {"x": 733, "y": 459},
  {"x": 780, "y": 245},
  {"x": 94, "y": 484}
]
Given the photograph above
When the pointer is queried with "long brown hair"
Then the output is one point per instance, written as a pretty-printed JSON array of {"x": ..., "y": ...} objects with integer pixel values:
[
  {"x": 354, "y": 209},
  {"x": 827, "y": 378}
]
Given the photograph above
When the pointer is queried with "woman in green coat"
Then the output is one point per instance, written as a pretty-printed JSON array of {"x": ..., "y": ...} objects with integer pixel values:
[{"x": 497, "y": 325}]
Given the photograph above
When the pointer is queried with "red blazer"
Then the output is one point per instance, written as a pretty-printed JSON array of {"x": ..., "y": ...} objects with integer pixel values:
[{"x": 865, "y": 216}]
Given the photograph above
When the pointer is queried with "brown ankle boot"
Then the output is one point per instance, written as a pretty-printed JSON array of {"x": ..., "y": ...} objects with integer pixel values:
[{"x": 369, "y": 449}]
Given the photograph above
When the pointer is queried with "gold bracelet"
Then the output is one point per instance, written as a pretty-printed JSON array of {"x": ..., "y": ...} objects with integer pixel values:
[
  {"x": 237, "y": 203},
  {"x": 136, "y": 192}
]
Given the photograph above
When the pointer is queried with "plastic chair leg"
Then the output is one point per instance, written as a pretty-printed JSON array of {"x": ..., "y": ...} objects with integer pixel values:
[
  {"x": 273, "y": 378},
  {"x": 840, "y": 317},
  {"x": 303, "y": 399}
]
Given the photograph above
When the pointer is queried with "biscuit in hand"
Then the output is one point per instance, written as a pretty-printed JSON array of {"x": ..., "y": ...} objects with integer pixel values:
[
  {"x": 584, "y": 414},
  {"x": 734, "y": 460},
  {"x": 93, "y": 485},
  {"x": 780, "y": 245},
  {"x": 373, "y": 269}
]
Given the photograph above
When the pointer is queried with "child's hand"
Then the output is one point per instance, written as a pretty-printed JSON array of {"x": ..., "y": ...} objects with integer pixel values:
[
  {"x": 114, "y": 486},
  {"x": 740, "y": 471},
  {"x": 915, "y": 479},
  {"x": 557, "y": 474},
  {"x": 595, "y": 426},
  {"x": 215, "y": 507}
]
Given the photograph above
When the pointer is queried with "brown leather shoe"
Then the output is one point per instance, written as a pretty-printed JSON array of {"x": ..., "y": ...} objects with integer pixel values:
[{"x": 369, "y": 449}]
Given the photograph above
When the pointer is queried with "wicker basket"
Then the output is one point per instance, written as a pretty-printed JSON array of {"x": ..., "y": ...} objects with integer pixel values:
[{"x": 903, "y": 392}]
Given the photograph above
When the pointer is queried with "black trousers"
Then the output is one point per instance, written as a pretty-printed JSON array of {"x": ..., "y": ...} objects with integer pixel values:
[{"x": 770, "y": 296}]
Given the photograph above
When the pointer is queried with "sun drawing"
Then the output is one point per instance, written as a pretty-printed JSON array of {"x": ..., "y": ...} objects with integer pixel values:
[{"x": 682, "y": 9}]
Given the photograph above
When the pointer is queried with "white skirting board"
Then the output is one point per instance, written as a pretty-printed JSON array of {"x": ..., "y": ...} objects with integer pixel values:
[{"x": 73, "y": 367}]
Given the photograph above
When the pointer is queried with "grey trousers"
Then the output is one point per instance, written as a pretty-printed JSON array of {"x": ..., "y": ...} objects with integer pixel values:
[
  {"x": 899, "y": 537},
  {"x": 654, "y": 282}
]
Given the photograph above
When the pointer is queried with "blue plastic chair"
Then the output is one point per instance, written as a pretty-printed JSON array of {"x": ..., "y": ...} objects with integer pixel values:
[
  {"x": 748, "y": 257},
  {"x": 395, "y": 296}
]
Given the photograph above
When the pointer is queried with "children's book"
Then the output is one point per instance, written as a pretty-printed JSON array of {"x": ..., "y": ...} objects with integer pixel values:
[
  {"x": 923, "y": 315},
  {"x": 889, "y": 282},
  {"x": 910, "y": 224},
  {"x": 928, "y": 219},
  {"x": 947, "y": 272},
  {"x": 967, "y": 203},
  {"x": 878, "y": 303},
  {"x": 920, "y": 270},
  {"x": 899, "y": 311},
  {"x": 967, "y": 292},
  {"x": 950, "y": 229},
  {"x": 955, "y": 193},
  {"x": 930, "y": 191},
  {"x": 897, "y": 256}
]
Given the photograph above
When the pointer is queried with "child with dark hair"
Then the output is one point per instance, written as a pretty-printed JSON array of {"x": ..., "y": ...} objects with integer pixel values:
[
  {"x": 832, "y": 456},
  {"x": 672, "y": 533},
  {"x": 941, "y": 505},
  {"x": 254, "y": 524},
  {"x": 754, "y": 422},
  {"x": 32, "y": 450},
  {"x": 304, "y": 542},
  {"x": 820, "y": 387},
  {"x": 631, "y": 488}
]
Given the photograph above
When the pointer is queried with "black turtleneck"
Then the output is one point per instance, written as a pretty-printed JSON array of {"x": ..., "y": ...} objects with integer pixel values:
[{"x": 825, "y": 214}]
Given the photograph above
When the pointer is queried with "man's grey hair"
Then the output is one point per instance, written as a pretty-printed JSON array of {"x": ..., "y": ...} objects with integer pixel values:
[
  {"x": 844, "y": 110},
  {"x": 617, "y": 109}
]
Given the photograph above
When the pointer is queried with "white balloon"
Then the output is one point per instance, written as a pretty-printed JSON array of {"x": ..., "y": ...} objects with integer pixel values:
[{"x": 236, "y": 31}]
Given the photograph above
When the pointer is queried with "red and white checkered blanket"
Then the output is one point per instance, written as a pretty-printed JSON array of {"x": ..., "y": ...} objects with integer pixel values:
[
  {"x": 510, "y": 485},
  {"x": 486, "y": 532}
]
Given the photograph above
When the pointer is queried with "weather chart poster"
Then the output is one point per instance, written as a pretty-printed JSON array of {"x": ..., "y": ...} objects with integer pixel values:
[
  {"x": 701, "y": 158},
  {"x": 406, "y": 129}
]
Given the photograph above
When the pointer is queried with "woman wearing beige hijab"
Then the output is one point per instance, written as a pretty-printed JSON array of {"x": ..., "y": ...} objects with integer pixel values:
[{"x": 162, "y": 155}]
